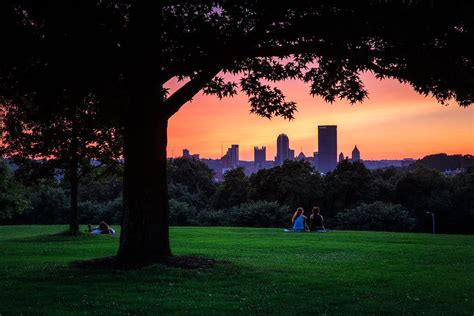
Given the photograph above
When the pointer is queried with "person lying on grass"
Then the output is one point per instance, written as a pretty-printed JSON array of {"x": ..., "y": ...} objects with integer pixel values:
[
  {"x": 316, "y": 220},
  {"x": 299, "y": 221},
  {"x": 103, "y": 228}
]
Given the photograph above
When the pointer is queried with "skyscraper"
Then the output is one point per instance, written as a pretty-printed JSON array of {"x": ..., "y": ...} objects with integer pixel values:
[
  {"x": 234, "y": 155},
  {"x": 355, "y": 154},
  {"x": 341, "y": 157},
  {"x": 316, "y": 160},
  {"x": 291, "y": 154},
  {"x": 327, "y": 147},
  {"x": 283, "y": 149},
  {"x": 231, "y": 158},
  {"x": 186, "y": 153},
  {"x": 259, "y": 155}
]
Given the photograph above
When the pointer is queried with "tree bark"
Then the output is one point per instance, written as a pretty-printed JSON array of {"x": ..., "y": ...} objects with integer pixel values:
[
  {"x": 144, "y": 236},
  {"x": 74, "y": 182}
]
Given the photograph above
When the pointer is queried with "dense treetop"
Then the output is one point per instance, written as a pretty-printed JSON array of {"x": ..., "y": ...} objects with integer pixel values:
[{"x": 107, "y": 47}]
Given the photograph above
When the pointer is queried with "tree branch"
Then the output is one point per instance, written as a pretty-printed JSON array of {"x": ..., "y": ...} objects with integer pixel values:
[{"x": 186, "y": 92}]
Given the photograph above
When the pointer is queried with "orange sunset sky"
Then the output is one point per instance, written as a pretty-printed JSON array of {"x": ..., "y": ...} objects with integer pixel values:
[{"x": 393, "y": 123}]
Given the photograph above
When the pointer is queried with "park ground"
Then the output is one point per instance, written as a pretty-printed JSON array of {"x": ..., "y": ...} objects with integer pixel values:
[{"x": 258, "y": 271}]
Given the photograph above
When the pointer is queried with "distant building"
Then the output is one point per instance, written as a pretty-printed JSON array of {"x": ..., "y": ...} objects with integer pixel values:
[
  {"x": 327, "y": 148},
  {"x": 259, "y": 156},
  {"x": 231, "y": 158},
  {"x": 291, "y": 154},
  {"x": 407, "y": 161},
  {"x": 315, "y": 160},
  {"x": 283, "y": 149},
  {"x": 301, "y": 156},
  {"x": 186, "y": 153},
  {"x": 234, "y": 157},
  {"x": 355, "y": 154},
  {"x": 341, "y": 157}
]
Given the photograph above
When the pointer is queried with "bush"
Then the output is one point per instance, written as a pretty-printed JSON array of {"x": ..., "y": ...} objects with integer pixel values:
[
  {"x": 258, "y": 214},
  {"x": 253, "y": 214},
  {"x": 182, "y": 214},
  {"x": 91, "y": 212},
  {"x": 376, "y": 216},
  {"x": 13, "y": 196},
  {"x": 49, "y": 205}
]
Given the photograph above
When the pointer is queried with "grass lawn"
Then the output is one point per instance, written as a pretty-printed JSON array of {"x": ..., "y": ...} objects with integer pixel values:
[{"x": 265, "y": 271}]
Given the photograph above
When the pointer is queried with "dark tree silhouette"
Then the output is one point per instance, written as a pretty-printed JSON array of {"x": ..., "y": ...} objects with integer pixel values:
[
  {"x": 124, "y": 52},
  {"x": 63, "y": 142}
]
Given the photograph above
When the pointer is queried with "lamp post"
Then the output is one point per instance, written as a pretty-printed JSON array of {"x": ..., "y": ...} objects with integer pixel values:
[{"x": 433, "y": 218}]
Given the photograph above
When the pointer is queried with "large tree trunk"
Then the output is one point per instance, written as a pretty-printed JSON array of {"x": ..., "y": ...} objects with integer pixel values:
[
  {"x": 74, "y": 178},
  {"x": 74, "y": 211},
  {"x": 144, "y": 236}
]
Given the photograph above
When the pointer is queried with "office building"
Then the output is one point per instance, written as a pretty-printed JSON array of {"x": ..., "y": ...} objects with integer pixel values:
[
  {"x": 327, "y": 148},
  {"x": 283, "y": 149},
  {"x": 259, "y": 155}
]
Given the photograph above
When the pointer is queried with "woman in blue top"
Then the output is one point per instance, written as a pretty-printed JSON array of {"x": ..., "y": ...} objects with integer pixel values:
[{"x": 299, "y": 220}]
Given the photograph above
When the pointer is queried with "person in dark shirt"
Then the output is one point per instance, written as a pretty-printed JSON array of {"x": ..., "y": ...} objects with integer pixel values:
[{"x": 316, "y": 220}]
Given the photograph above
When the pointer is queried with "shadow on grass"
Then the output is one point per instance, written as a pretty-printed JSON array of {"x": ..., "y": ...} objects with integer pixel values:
[
  {"x": 182, "y": 262},
  {"x": 63, "y": 236}
]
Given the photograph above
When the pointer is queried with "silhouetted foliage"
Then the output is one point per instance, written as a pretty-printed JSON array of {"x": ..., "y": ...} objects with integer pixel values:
[
  {"x": 376, "y": 216},
  {"x": 424, "y": 190},
  {"x": 62, "y": 143},
  {"x": 233, "y": 191},
  {"x": 350, "y": 184},
  {"x": 49, "y": 205},
  {"x": 442, "y": 162},
  {"x": 190, "y": 181},
  {"x": 13, "y": 197},
  {"x": 295, "y": 184}
]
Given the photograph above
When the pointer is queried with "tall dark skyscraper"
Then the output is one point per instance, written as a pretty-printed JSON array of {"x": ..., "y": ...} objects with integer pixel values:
[
  {"x": 259, "y": 155},
  {"x": 234, "y": 155},
  {"x": 283, "y": 149},
  {"x": 327, "y": 147}
]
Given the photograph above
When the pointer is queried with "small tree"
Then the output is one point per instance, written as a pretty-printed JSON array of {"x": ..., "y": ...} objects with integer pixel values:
[
  {"x": 64, "y": 142},
  {"x": 234, "y": 190}
]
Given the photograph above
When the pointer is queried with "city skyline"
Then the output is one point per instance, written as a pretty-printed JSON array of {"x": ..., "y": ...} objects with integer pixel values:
[{"x": 394, "y": 123}]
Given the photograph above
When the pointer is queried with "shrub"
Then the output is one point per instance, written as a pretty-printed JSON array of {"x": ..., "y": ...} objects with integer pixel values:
[
  {"x": 376, "y": 216},
  {"x": 181, "y": 213},
  {"x": 13, "y": 195},
  {"x": 258, "y": 214},
  {"x": 49, "y": 205},
  {"x": 91, "y": 212}
]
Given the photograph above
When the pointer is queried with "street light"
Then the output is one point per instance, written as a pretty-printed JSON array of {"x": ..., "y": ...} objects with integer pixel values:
[{"x": 433, "y": 218}]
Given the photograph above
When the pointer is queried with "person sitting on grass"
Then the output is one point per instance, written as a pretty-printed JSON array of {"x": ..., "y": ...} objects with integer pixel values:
[
  {"x": 103, "y": 228},
  {"x": 299, "y": 220},
  {"x": 316, "y": 220}
]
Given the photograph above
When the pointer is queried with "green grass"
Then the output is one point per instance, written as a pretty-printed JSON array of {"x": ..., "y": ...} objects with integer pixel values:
[{"x": 266, "y": 271}]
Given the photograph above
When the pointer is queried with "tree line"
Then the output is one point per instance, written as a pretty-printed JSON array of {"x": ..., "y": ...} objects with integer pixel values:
[{"x": 350, "y": 197}]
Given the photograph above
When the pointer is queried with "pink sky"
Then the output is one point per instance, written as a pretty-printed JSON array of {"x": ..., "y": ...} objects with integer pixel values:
[{"x": 393, "y": 123}]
